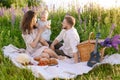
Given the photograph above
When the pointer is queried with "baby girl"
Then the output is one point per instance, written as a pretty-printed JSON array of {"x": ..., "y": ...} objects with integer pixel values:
[{"x": 43, "y": 22}]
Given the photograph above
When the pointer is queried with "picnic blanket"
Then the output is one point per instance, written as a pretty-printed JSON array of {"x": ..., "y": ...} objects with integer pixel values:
[{"x": 65, "y": 69}]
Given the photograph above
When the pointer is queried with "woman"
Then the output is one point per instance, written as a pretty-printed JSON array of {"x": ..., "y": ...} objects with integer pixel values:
[{"x": 32, "y": 37}]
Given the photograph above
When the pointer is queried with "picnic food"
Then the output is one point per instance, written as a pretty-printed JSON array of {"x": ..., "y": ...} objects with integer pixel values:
[
  {"x": 43, "y": 62},
  {"x": 37, "y": 58},
  {"x": 53, "y": 61},
  {"x": 49, "y": 62},
  {"x": 23, "y": 58}
]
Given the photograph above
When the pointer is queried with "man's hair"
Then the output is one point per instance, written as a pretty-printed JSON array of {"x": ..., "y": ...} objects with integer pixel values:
[{"x": 70, "y": 20}]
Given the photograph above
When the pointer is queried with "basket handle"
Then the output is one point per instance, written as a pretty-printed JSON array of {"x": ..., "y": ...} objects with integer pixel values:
[
  {"x": 102, "y": 52},
  {"x": 90, "y": 35}
]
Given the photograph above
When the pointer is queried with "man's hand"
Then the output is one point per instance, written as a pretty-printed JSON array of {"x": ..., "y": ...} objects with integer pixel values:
[
  {"x": 52, "y": 47},
  {"x": 44, "y": 42},
  {"x": 75, "y": 57}
]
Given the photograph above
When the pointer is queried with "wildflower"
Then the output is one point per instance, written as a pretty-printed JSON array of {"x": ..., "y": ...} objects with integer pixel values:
[
  {"x": 33, "y": 8},
  {"x": 115, "y": 41},
  {"x": 53, "y": 7},
  {"x": 80, "y": 18},
  {"x": 106, "y": 43},
  {"x": 112, "y": 42},
  {"x": 85, "y": 21},
  {"x": 78, "y": 13},
  {"x": 99, "y": 18},
  {"x": 13, "y": 16},
  {"x": 2, "y": 12},
  {"x": 67, "y": 14},
  {"x": 46, "y": 7},
  {"x": 25, "y": 9},
  {"x": 91, "y": 6},
  {"x": 111, "y": 30},
  {"x": 81, "y": 21}
]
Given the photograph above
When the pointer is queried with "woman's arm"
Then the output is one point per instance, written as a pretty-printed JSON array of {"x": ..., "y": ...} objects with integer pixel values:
[{"x": 36, "y": 40}]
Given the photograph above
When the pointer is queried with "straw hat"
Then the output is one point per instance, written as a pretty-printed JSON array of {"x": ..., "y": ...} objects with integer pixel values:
[{"x": 23, "y": 58}]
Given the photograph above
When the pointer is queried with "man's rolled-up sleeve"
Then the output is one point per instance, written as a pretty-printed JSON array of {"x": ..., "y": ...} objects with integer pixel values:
[{"x": 60, "y": 36}]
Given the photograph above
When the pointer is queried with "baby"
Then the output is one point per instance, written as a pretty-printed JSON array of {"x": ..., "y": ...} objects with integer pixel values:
[{"x": 43, "y": 22}]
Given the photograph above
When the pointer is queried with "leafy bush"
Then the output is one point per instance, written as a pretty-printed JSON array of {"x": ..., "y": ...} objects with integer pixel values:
[
  {"x": 19, "y": 3},
  {"x": 87, "y": 20}
]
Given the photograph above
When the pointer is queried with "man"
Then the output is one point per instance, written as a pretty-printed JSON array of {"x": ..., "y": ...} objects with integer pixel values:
[{"x": 70, "y": 38}]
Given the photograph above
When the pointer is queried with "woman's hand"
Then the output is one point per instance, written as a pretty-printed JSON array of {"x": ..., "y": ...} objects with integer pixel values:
[
  {"x": 37, "y": 39},
  {"x": 36, "y": 24},
  {"x": 41, "y": 30}
]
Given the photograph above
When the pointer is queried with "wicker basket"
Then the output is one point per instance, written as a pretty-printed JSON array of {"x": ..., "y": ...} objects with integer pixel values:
[{"x": 86, "y": 48}]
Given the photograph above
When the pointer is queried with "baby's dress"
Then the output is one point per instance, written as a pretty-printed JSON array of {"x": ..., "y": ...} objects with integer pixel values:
[
  {"x": 46, "y": 34},
  {"x": 28, "y": 38}
]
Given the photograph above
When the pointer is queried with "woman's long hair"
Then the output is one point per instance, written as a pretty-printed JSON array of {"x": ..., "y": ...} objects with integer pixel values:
[{"x": 27, "y": 22}]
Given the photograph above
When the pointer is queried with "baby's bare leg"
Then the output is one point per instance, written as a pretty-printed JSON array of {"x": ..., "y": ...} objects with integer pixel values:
[
  {"x": 45, "y": 55},
  {"x": 44, "y": 42},
  {"x": 51, "y": 53}
]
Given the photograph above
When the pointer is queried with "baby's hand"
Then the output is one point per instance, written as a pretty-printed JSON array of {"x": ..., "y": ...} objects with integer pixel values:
[
  {"x": 48, "y": 26},
  {"x": 49, "y": 22}
]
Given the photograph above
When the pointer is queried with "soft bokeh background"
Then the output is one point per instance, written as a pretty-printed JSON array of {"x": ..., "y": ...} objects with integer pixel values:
[
  {"x": 66, "y": 3},
  {"x": 89, "y": 14}
]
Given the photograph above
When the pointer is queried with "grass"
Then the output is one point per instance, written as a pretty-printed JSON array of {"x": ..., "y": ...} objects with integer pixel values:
[{"x": 11, "y": 34}]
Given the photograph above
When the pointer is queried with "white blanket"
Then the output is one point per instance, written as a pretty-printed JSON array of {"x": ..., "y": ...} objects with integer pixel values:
[{"x": 66, "y": 69}]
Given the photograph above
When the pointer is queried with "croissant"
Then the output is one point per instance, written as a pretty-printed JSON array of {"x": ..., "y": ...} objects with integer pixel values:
[
  {"x": 46, "y": 61},
  {"x": 53, "y": 61},
  {"x": 43, "y": 62}
]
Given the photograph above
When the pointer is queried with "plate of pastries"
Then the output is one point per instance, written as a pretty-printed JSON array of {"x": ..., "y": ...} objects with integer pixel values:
[{"x": 46, "y": 61}]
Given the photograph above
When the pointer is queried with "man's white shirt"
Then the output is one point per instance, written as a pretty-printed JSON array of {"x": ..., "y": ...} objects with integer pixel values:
[{"x": 71, "y": 40}]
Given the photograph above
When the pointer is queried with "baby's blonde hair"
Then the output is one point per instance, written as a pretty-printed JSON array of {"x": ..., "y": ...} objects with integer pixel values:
[{"x": 44, "y": 12}]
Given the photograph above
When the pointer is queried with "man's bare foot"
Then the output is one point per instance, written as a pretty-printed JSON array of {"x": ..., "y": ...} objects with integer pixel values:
[{"x": 61, "y": 57}]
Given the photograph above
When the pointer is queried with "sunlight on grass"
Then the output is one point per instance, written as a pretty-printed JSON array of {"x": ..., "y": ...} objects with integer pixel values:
[{"x": 86, "y": 22}]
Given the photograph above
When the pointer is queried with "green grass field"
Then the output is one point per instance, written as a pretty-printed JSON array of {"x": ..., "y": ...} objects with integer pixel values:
[{"x": 86, "y": 22}]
